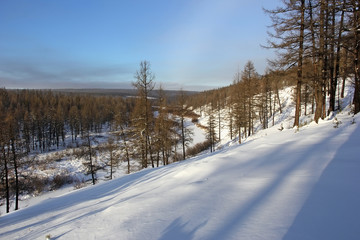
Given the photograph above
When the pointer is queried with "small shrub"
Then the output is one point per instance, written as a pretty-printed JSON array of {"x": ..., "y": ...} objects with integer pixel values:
[
  {"x": 303, "y": 124},
  {"x": 336, "y": 123},
  {"x": 201, "y": 126},
  {"x": 194, "y": 120},
  {"x": 38, "y": 185},
  {"x": 54, "y": 157},
  {"x": 60, "y": 180},
  {"x": 177, "y": 157},
  {"x": 197, "y": 148},
  {"x": 33, "y": 185},
  {"x": 78, "y": 152},
  {"x": 79, "y": 183}
]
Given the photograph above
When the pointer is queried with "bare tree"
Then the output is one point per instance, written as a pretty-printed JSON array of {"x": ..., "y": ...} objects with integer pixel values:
[
  {"x": 355, "y": 5},
  {"x": 211, "y": 126},
  {"x": 249, "y": 77},
  {"x": 90, "y": 153},
  {"x": 289, "y": 27},
  {"x": 111, "y": 148},
  {"x": 143, "y": 115},
  {"x": 182, "y": 111}
]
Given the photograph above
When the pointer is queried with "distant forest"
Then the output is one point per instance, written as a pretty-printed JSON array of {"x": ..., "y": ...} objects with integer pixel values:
[
  {"x": 171, "y": 94},
  {"x": 144, "y": 124}
]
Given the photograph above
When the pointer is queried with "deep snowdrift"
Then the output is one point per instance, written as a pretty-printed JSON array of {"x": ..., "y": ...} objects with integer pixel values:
[{"x": 285, "y": 185}]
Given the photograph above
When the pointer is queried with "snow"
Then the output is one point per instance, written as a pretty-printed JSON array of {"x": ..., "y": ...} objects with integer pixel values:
[
  {"x": 290, "y": 184},
  {"x": 199, "y": 134}
]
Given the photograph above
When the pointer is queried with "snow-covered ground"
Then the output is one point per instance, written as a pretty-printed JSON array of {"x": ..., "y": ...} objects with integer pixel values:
[
  {"x": 290, "y": 184},
  {"x": 62, "y": 162}
]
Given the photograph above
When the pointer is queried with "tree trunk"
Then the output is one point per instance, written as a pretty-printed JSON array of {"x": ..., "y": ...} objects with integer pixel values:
[
  {"x": 16, "y": 174},
  {"x": 219, "y": 122},
  {"x": 356, "y": 27},
  {"x": 6, "y": 172},
  {"x": 90, "y": 158},
  {"x": 333, "y": 79},
  {"x": 299, "y": 67},
  {"x": 338, "y": 49},
  {"x": 126, "y": 148},
  {"x": 278, "y": 98},
  {"x": 344, "y": 74},
  {"x": 183, "y": 137},
  {"x": 320, "y": 84}
]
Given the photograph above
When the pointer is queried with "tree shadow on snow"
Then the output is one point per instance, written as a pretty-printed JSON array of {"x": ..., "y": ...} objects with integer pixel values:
[
  {"x": 332, "y": 209},
  {"x": 299, "y": 157},
  {"x": 49, "y": 210},
  {"x": 178, "y": 231}
]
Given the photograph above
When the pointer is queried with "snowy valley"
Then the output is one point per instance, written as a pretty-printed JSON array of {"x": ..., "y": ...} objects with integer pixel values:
[
  {"x": 280, "y": 183},
  {"x": 180, "y": 120}
]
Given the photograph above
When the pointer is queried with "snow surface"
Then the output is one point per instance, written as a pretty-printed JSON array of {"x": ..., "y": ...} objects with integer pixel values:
[{"x": 290, "y": 184}]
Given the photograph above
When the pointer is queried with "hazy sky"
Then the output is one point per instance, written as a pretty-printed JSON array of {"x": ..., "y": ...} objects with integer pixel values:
[{"x": 190, "y": 44}]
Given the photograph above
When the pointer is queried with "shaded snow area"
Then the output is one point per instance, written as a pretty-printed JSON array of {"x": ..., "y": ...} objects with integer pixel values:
[
  {"x": 280, "y": 183},
  {"x": 290, "y": 184}
]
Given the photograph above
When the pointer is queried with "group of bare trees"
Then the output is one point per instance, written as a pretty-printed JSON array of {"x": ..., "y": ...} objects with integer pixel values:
[
  {"x": 158, "y": 126},
  {"x": 317, "y": 43},
  {"x": 142, "y": 128},
  {"x": 38, "y": 121},
  {"x": 238, "y": 107},
  {"x": 321, "y": 39},
  {"x": 11, "y": 147}
]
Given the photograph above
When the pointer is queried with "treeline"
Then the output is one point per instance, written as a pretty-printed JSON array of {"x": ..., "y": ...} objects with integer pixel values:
[
  {"x": 41, "y": 119},
  {"x": 251, "y": 98},
  {"x": 156, "y": 126},
  {"x": 146, "y": 129},
  {"x": 33, "y": 121},
  {"x": 317, "y": 44},
  {"x": 320, "y": 39}
]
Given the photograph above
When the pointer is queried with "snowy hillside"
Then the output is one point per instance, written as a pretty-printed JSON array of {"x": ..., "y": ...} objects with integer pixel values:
[{"x": 289, "y": 184}]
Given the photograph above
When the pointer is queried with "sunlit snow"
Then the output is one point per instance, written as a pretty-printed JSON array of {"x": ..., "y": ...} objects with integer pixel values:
[{"x": 290, "y": 184}]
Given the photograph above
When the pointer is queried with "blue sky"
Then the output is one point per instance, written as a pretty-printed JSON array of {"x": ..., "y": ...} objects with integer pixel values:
[{"x": 191, "y": 44}]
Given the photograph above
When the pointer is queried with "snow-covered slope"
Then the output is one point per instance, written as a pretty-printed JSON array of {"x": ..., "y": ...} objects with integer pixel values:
[
  {"x": 285, "y": 185},
  {"x": 289, "y": 184}
]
